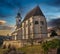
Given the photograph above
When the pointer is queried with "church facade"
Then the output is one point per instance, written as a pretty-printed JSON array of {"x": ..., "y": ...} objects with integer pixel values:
[{"x": 33, "y": 26}]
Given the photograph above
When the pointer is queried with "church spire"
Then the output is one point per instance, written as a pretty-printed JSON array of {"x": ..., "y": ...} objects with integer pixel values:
[
  {"x": 18, "y": 15},
  {"x": 18, "y": 19}
]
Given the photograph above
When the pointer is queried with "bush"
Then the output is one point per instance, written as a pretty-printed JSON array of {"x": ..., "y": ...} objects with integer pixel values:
[
  {"x": 53, "y": 33},
  {"x": 55, "y": 43}
]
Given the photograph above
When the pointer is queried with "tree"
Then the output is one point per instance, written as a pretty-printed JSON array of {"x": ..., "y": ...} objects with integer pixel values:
[
  {"x": 55, "y": 43},
  {"x": 53, "y": 33}
]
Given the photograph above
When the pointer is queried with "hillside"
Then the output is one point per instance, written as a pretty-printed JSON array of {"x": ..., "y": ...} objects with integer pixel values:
[{"x": 4, "y": 32}]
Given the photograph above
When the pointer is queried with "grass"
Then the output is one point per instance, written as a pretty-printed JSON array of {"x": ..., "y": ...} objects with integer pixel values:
[
  {"x": 2, "y": 50},
  {"x": 36, "y": 49}
]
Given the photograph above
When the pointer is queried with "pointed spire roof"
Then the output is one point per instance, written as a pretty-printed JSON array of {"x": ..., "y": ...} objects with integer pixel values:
[
  {"x": 34, "y": 12},
  {"x": 18, "y": 15}
]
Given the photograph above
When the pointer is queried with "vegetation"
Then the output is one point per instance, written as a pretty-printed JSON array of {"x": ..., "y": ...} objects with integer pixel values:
[
  {"x": 55, "y": 43},
  {"x": 53, "y": 33},
  {"x": 35, "y": 49},
  {"x": 2, "y": 50}
]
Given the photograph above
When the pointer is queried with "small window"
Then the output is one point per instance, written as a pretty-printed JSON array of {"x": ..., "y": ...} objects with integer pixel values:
[
  {"x": 41, "y": 22},
  {"x": 36, "y": 22}
]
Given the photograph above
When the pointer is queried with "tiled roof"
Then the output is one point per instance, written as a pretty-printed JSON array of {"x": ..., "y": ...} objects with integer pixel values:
[{"x": 34, "y": 12}]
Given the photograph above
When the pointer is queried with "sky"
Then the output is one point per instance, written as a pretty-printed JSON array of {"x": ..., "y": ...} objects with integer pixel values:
[{"x": 10, "y": 8}]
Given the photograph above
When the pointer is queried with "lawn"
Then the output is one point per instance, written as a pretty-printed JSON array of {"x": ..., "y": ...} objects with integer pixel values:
[
  {"x": 2, "y": 50},
  {"x": 36, "y": 49}
]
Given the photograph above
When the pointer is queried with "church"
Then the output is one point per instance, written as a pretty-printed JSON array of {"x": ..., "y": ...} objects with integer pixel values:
[{"x": 34, "y": 26}]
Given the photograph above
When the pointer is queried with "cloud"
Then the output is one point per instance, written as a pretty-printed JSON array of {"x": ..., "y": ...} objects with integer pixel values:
[
  {"x": 5, "y": 27},
  {"x": 8, "y": 7},
  {"x": 2, "y": 22},
  {"x": 5, "y": 32},
  {"x": 54, "y": 22},
  {"x": 55, "y": 3},
  {"x": 10, "y": 3}
]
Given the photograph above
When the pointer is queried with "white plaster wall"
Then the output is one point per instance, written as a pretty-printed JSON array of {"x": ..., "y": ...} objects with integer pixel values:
[
  {"x": 19, "y": 32},
  {"x": 23, "y": 30},
  {"x": 37, "y": 27},
  {"x": 27, "y": 29},
  {"x": 16, "y": 44},
  {"x": 31, "y": 26}
]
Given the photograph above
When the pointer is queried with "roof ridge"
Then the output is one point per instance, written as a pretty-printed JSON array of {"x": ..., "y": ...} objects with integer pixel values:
[{"x": 34, "y": 12}]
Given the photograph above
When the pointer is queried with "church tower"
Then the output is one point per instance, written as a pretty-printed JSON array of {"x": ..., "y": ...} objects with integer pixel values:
[{"x": 18, "y": 20}]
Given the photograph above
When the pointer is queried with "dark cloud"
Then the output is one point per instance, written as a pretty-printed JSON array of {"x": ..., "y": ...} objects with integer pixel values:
[
  {"x": 10, "y": 3},
  {"x": 54, "y": 22},
  {"x": 55, "y": 3},
  {"x": 7, "y": 7}
]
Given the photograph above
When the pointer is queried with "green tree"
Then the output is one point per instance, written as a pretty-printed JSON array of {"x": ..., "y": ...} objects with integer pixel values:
[
  {"x": 55, "y": 43},
  {"x": 53, "y": 33}
]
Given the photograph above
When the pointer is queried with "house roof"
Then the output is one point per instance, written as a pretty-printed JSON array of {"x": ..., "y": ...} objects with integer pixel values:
[{"x": 34, "y": 12}]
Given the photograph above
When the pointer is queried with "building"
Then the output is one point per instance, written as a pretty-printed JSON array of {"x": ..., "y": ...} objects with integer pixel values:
[{"x": 33, "y": 26}]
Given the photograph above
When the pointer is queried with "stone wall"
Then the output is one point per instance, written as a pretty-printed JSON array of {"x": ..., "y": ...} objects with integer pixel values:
[
  {"x": 16, "y": 44},
  {"x": 52, "y": 51}
]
